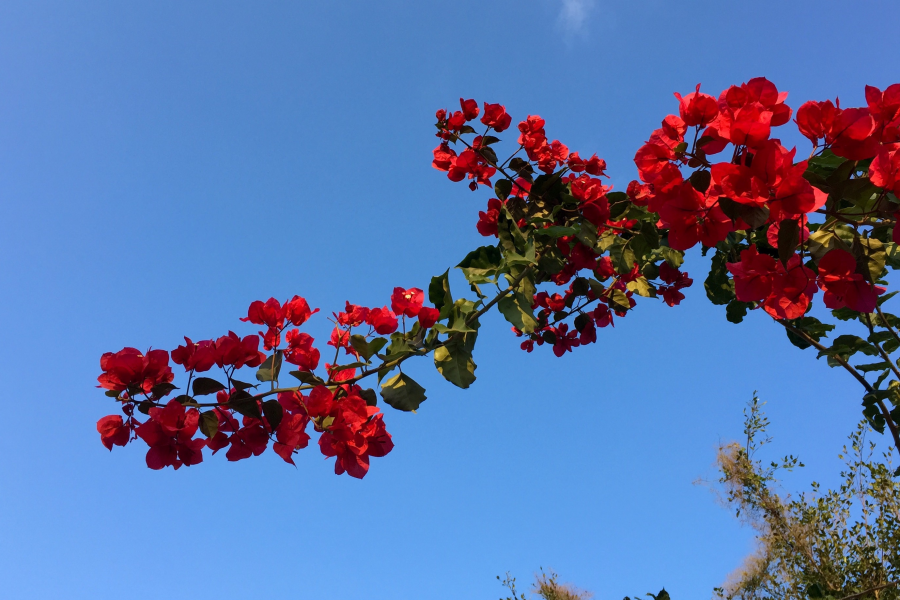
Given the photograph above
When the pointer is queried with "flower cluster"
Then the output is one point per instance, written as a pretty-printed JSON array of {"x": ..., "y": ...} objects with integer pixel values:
[{"x": 351, "y": 426}]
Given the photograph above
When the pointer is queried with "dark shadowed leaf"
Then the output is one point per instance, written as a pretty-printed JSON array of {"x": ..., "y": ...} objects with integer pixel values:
[
  {"x": 205, "y": 385},
  {"x": 402, "y": 392}
]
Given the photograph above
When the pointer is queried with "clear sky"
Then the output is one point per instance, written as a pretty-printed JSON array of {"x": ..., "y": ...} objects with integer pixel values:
[{"x": 163, "y": 164}]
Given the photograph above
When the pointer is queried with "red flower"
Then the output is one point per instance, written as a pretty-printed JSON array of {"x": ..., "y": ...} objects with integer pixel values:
[
  {"x": 428, "y": 317},
  {"x": 595, "y": 166},
  {"x": 113, "y": 432},
  {"x": 407, "y": 302},
  {"x": 851, "y": 134},
  {"x": 693, "y": 217},
  {"x": 297, "y": 311},
  {"x": 487, "y": 221},
  {"x": 814, "y": 119},
  {"x": 300, "y": 350},
  {"x": 697, "y": 109},
  {"x": 444, "y": 156},
  {"x": 650, "y": 160},
  {"x": 269, "y": 313},
  {"x": 232, "y": 350},
  {"x": 128, "y": 368},
  {"x": 738, "y": 183},
  {"x": 792, "y": 290},
  {"x": 884, "y": 171},
  {"x": 885, "y": 108},
  {"x": 565, "y": 339},
  {"x": 383, "y": 320},
  {"x": 469, "y": 108},
  {"x": 843, "y": 285},
  {"x": 291, "y": 435},
  {"x": 200, "y": 356},
  {"x": 753, "y": 275},
  {"x": 353, "y": 315},
  {"x": 169, "y": 433},
  {"x": 495, "y": 116}
]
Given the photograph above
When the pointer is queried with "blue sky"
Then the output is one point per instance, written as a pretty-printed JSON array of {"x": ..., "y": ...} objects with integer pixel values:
[{"x": 164, "y": 164}]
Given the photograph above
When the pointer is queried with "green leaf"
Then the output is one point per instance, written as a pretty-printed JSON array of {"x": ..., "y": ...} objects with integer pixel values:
[
  {"x": 820, "y": 242},
  {"x": 439, "y": 291},
  {"x": 271, "y": 367},
  {"x": 161, "y": 389},
  {"x": 642, "y": 287},
  {"x": 719, "y": 286},
  {"x": 369, "y": 396},
  {"x": 736, "y": 311},
  {"x": 878, "y": 366},
  {"x": 245, "y": 404},
  {"x": 556, "y": 231},
  {"x": 587, "y": 235},
  {"x": 502, "y": 188},
  {"x": 240, "y": 385},
  {"x": 367, "y": 349},
  {"x": 454, "y": 362},
  {"x": 516, "y": 308},
  {"x": 273, "y": 412},
  {"x": 204, "y": 386},
  {"x": 307, "y": 377},
  {"x": 622, "y": 256},
  {"x": 618, "y": 300},
  {"x": 754, "y": 216},
  {"x": 700, "y": 180},
  {"x": 209, "y": 423},
  {"x": 846, "y": 346},
  {"x": 788, "y": 239},
  {"x": 403, "y": 393},
  {"x": 871, "y": 257},
  {"x": 675, "y": 258},
  {"x": 481, "y": 264}
]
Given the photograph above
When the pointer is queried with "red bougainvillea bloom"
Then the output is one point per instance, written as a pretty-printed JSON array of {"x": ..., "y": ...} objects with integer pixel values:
[
  {"x": 795, "y": 195},
  {"x": 469, "y": 108},
  {"x": 843, "y": 285},
  {"x": 113, "y": 432},
  {"x": 738, "y": 183},
  {"x": 815, "y": 119},
  {"x": 407, "y": 302},
  {"x": 297, "y": 311},
  {"x": 677, "y": 281},
  {"x": 487, "y": 221},
  {"x": 693, "y": 217},
  {"x": 353, "y": 315},
  {"x": 793, "y": 287},
  {"x": 128, "y": 368},
  {"x": 697, "y": 109},
  {"x": 884, "y": 171},
  {"x": 300, "y": 350},
  {"x": 269, "y": 313},
  {"x": 444, "y": 156},
  {"x": 239, "y": 352},
  {"x": 352, "y": 431},
  {"x": 168, "y": 432},
  {"x": 595, "y": 166},
  {"x": 851, "y": 134},
  {"x": 199, "y": 356},
  {"x": 428, "y": 317},
  {"x": 291, "y": 434},
  {"x": 885, "y": 108},
  {"x": 753, "y": 275},
  {"x": 495, "y": 116},
  {"x": 565, "y": 340},
  {"x": 383, "y": 320}
]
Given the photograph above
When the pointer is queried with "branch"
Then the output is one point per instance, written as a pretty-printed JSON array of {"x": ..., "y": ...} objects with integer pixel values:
[{"x": 856, "y": 374}]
